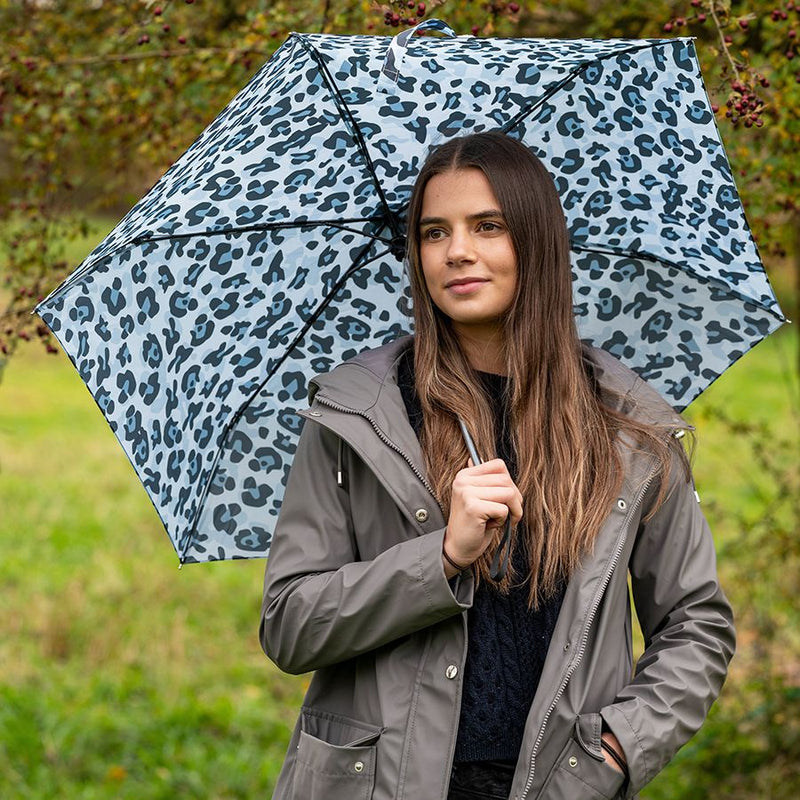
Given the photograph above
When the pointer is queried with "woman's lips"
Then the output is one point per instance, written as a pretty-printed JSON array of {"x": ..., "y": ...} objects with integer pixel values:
[{"x": 466, "y": 286}]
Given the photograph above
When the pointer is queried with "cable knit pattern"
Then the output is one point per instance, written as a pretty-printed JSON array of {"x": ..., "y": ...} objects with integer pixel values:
[{"x": 507, "y": 641}]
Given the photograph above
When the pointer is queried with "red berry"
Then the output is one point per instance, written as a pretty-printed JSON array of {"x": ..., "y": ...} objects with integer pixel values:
[
  {"x": 165, "y": 28},
  {"x": 189, "y": 2},
  {"x": 696, "y": 3},
  {"x": 421, "y": 7},
  {"x": 701, "y": 17},
  {"x": 728, "y": 39},
  {"x": 790, "y": 54},
  {"x": 411, "y": 4},
  {"x": 158, "y": 11},
  {"x": 784, "y": 15},
  {"x": 182, "y": 40},
  {"x": 668, "y": 27},
  {"x": 743, "y": 24},
  {"x": 680, "y": 22},
  {"x": 792, "y": 33},
  {"x": 475, "y": 30},
  {"x": 714, "y": 107},
  {"x": 513, "y": 7}
]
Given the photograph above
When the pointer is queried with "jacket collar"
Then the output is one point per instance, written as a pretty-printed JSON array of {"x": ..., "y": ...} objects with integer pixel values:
[{"x": 368, "y": 384}]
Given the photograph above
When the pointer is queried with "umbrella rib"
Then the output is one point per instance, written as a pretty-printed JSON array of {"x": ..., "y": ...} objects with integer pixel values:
[
  {"x": 233, "y": 421},
  {"x": 528, "y": 110},
  {"x": 348, "y": 119},
  {"x": 708, "y": 279},
  {"x": 270, "y": 226}
]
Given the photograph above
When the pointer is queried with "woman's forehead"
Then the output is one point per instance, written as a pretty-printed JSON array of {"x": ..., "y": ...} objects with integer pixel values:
[{"x": 459, "y": 192}]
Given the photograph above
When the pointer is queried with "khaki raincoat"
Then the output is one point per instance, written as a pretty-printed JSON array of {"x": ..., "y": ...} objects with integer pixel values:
[{"x": 356, "y": 592}]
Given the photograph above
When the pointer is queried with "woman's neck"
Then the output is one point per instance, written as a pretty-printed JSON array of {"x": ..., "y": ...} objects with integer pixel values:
[{"x": 484, "y": 353}]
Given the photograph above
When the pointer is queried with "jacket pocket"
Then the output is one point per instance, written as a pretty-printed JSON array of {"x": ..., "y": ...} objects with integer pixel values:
[
  {"x": 335, "y": 758},
  {"x": 581, "y": 772}
]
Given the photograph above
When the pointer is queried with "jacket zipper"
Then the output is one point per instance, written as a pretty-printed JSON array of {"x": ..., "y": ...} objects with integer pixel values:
[
  {"x": 322, "y": 400},
  {"x": 585, "y": 636}
]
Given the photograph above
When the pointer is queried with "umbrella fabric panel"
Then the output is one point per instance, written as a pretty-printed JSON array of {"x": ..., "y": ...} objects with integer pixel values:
[
  {"x": 633, "y": 147},
  {"x": 196, "y": 340},
  {"x": 446, "y": 87},
  {"x": 182, "y": 333},
  {"x": 247, "y": 484},
  {"x": 677, "y": 332},
  {"x": 291, "y": 159}
]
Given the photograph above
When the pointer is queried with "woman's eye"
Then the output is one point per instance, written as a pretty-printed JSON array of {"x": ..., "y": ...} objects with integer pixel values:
[
  {"x": 433, "y": 234},
  {"x": 489, "y": 226}
]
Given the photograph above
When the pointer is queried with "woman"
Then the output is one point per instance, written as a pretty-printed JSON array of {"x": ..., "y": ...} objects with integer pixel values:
[{"x": 436, "y": 677}]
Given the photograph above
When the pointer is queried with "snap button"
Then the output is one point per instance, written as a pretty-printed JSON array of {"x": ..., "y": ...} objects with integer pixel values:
[
  {"x": 621, "y": 504},
  {"x": 573, "y": 762},
  {"x": 566, "y": 647},
  {"x": 679, "y": 434},
  {"x": 314, "y": 414},
  {"x": 358, "y": 766},
  {"x": 451, "y": 672},
  {"x": 421, "y": 514}
]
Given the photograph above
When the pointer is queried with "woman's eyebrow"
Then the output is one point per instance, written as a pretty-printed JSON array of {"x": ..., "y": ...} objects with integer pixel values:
[{"x": 488, "y": 214}]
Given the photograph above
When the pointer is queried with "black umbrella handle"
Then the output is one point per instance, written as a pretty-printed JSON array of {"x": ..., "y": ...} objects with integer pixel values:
[{"x": 498, "y": 567}]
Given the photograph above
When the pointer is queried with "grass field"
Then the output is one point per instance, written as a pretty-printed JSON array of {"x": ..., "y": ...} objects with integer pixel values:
[{"x": 123, "y": 677}]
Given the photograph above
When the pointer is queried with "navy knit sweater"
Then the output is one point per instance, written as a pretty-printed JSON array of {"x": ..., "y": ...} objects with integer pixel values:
[{"x": 507, "y": 641}]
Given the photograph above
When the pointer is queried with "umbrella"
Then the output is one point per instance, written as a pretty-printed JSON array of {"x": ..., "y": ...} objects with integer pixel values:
[{"x": 272, "y": 249}]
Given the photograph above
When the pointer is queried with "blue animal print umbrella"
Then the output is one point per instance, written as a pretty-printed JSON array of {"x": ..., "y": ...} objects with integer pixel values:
[{"x": 272, "y": 249}]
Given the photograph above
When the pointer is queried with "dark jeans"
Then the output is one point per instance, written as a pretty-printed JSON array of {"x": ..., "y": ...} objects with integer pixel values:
[{"x": 481, "y": 780}]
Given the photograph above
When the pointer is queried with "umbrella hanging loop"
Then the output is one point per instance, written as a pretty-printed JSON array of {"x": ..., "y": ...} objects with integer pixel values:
[{"x": 396, "y": 53}]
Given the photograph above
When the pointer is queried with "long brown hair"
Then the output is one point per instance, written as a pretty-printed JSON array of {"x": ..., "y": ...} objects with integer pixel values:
[{"x": 563, "y": 435}]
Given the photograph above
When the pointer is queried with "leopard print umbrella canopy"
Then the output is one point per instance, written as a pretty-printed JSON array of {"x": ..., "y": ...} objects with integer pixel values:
[{"x": 271, "y": 250}]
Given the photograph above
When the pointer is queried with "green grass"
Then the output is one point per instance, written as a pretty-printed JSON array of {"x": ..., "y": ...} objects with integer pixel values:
[{"x": 123, "y": 677}]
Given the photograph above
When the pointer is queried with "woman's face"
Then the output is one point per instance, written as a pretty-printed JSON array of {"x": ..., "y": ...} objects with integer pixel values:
[{"x": 467, "y": 257}]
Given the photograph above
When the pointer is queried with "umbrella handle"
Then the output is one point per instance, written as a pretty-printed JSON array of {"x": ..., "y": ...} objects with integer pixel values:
[
  {"x": 396, "y": 52},
  {"x": 498, "y": 568}
]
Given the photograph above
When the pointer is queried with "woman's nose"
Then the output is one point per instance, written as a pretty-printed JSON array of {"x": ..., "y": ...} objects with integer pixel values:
[{"x": 460, "y": 247}]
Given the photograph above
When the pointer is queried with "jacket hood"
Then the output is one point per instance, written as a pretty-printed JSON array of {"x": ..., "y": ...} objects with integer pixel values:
[{"x": 360, "y": 382}]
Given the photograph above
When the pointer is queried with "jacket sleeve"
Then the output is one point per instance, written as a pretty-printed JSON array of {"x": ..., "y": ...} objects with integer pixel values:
[
  {"x": 321, "y": 604},
  {"x": 688, "y": 631}
]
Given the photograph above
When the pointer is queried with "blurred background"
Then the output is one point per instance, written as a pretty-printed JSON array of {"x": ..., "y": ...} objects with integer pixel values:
[{"x": 121, "y": 677}]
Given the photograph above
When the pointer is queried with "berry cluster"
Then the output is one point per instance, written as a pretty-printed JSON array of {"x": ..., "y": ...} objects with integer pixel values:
[
  {"x": 744, "y": 105},
  {"x": 414, "y": 11},
  {"x": 163, "y": 31}
]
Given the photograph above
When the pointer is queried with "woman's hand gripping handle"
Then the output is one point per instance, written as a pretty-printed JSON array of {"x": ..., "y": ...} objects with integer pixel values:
[{"x": 483, "y": 498}]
